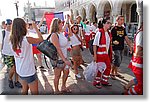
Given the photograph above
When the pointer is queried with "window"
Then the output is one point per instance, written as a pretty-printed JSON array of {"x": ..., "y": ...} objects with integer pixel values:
[{"x": 134, "y": 15}]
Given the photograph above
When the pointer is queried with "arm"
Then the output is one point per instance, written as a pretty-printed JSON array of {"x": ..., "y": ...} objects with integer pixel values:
[
  {"x": 95, "y": 55},
  {"x": 32, "y": 40},
  {"x": 66, "y": 23},
  {"x": 55, "y": 41},
  {"x": 39, "y": 25},
  {"x": 69, "y": 30},
  {"x": 139, "y": 51},
  {"x": 129, "y": 43}
]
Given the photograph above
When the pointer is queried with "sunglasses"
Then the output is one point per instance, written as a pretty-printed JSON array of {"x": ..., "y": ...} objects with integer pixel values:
[
  {"x": 108, "y": 23},
  {"x": 75, "y": 28}
]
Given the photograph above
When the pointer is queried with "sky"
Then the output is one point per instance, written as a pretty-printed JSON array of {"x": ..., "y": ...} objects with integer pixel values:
[{"x": 8, "y": 9}]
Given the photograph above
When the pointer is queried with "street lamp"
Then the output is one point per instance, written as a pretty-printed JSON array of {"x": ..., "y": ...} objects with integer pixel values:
[{"x": 16, "y": 4}]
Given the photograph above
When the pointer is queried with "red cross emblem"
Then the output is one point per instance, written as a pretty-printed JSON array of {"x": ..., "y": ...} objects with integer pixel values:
[{"x": 18, "y": 51}]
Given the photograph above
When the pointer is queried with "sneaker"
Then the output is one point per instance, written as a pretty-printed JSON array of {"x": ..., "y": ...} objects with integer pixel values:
[
  {"x": 11, "y": 85},
  {"x": 18, "y": 84},
  {"x": 106, "y": 84},
  {"x": 78, "y": 76}
]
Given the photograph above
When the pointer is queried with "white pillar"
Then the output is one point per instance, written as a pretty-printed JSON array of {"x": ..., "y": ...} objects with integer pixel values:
[
  {"x": 115, "y": 13},
  {"x": 140, "y": 11},
  {"x": 87, "y": 10}
]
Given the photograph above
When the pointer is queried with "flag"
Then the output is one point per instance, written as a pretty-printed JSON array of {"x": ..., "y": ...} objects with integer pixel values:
[{"x": 50, "y": 16}]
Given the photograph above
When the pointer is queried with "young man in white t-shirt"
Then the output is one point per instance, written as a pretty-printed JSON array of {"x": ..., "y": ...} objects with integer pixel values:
[{"x": 8, "y": 56}]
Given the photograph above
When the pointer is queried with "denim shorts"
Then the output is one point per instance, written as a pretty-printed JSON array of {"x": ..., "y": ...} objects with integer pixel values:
[
  {"x": 117, "y": 57},
  {"x": 57, "y": 63},
  {"x": 29, "y": 79}
]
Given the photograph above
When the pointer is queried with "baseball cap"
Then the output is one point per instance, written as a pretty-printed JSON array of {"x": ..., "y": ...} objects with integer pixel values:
[{"x": 8, "y": 21}]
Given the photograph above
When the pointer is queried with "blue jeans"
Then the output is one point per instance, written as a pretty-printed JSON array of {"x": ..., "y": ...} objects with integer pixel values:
[{"x": 117, "y": 57}]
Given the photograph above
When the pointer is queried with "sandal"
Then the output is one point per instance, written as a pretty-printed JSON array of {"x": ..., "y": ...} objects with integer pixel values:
[
  {"x": 125, "y": 87},
  {"x": 67, "y": 90}
]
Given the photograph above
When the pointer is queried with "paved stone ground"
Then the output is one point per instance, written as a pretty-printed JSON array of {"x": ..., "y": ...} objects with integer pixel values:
[{"x": 78, "y": 86}]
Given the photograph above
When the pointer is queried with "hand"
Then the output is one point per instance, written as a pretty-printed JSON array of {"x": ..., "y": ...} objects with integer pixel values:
[
  {"x": 34, "y": 25},
  {"x": 68, "y": 16},
  {"x": 115, "y": 42},
  {"x": 67, "y": 62},
  {"x": 131, "y": 50}
]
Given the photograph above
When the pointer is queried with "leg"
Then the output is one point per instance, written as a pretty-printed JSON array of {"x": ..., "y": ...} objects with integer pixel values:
[
  {"x": 113, "y": 72},
  {"x": 117, "y": 62},
  {"x": 25, "y": 87},
  {"x": 138, "y": 89},
  {"x": 130, "y": 84},
  {"x": 97, "y": 80},
  {"x": 76, "y": 60},
  {"x": 106, "y": 73},
  {"x": 65, "y": 77},
  {"x": 10, "y": 77},
  {"x": 34, "y": 87},
  {"x": 57, "y": 73},
  {"x": 11, "y": 72},
  {"x": 17, "y": 83},
  {"x": 75, "y": 64},
  {"x": 39, "y": 58}
]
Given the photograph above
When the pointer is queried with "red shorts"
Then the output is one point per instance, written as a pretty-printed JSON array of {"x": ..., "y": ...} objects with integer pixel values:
[{"x": 35, "y": 50}]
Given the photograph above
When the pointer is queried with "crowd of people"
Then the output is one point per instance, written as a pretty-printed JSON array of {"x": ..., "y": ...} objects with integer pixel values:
[{"x": 18, "y": 50}]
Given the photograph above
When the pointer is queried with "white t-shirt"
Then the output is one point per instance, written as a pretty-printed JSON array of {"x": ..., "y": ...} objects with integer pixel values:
[
  {"x": 93, "y": 28},
  {"x": 97, "y": 40},
  {"x": 24, "y": 60},
  {"x": 0, "y": 36},
  {"x": 87, "y": 30},
  {"x": 0, "y": 39},
  {"x": 63, "y": 41},
  {"x": 139, "y": 39},
  {"x": 7, "y": 45},
  {"x": 74, "y": 40}
]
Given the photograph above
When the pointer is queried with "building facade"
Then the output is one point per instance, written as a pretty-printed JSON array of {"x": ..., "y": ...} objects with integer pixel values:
[
  {"x": 92, "y": 10},
  {"x": 36, "y": 12}
]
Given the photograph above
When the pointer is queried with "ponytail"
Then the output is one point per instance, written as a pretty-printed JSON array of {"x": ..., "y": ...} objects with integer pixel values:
[{"x": 102, "y": 21}]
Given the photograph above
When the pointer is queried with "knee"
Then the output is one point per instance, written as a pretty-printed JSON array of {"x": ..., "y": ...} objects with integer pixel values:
[{"x": 57, "y": 76}]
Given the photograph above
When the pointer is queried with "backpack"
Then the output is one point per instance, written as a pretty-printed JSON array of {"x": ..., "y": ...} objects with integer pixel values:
[
  {"x": 91, "y": 46},
  {"x": 3, "y": 35}
]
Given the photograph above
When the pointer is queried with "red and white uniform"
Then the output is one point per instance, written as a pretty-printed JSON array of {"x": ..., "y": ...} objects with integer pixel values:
[
  {"x": 136, "y": 65},
  {"x": 87, "y": 35},
  {"x": 104, "y": 54}
]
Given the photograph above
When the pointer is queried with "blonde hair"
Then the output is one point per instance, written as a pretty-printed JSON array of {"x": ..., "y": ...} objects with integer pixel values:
[{"x": 54, "y": 27}]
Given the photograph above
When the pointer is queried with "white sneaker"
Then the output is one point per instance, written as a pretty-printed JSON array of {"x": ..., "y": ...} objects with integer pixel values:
[{"x": 78, "y": 76}]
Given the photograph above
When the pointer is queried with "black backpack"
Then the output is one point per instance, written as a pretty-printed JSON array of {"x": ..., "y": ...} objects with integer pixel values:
[
  {"x": 3, "y": 36},
  {"x": 91, "y": 46}
]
